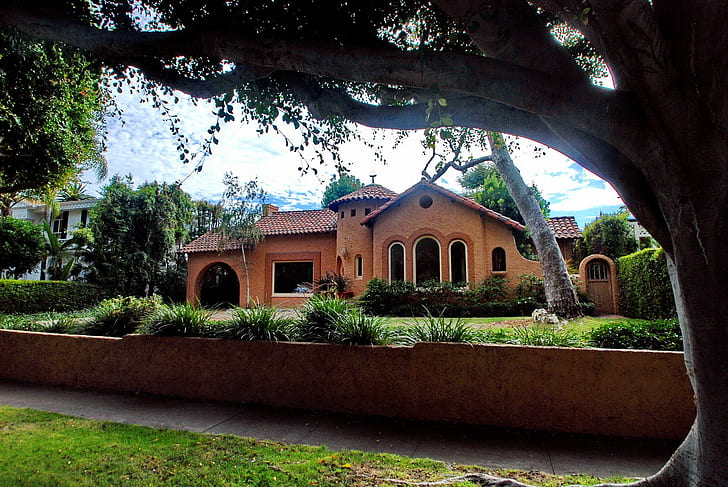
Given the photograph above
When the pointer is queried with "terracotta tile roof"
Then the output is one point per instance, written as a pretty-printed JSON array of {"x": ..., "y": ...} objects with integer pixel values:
[
  {"x": 454, "y": 196},
  {"x": 564, "y": 227},
  {"x": 210, "y": 242},
  {"x": 298, "y": 222},
  {"x": 278, "y": 223},
  {"x": 368, "y": 192}
]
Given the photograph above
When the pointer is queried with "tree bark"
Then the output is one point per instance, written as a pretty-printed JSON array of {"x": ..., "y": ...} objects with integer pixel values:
[{"x": 560, "y": 295}]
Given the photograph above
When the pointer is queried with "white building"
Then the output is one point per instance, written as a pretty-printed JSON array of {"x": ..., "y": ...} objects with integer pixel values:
[{"x": 73, "y": 215}]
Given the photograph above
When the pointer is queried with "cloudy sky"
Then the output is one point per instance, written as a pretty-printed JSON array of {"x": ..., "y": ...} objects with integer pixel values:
[{"x": 140, "y": 143}]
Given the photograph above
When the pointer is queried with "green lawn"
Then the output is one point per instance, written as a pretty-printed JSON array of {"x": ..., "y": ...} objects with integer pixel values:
[{"x": 46, "y": 449}]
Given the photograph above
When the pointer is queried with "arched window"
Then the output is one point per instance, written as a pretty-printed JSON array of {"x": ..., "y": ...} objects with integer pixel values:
[
  {"x": 396, "y": 262},
  {"x": 458, "y": 261},
  {"x": 499, "y": 259},
  {"x": 427, "y": 260}
]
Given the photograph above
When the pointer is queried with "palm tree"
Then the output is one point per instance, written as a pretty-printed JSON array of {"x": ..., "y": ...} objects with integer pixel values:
[{"x": 60, "y": 254}]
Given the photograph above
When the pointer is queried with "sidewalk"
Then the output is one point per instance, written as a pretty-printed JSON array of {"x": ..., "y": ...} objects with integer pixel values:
[{"x": 462, "y": 444}]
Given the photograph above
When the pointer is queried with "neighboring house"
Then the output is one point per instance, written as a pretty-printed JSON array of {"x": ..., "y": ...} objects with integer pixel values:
[
  {"x": 426, "y": 233},
  {"x": 567, "y": 232},
  {"x": 638, "y": 230},
  {"x": 72, "y": 215}
]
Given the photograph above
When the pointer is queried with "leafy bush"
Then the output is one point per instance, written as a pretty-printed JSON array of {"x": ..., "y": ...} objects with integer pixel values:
[
  {"x": 644, "y": 285},
  {"x": 356, "y": 328},
  {"x": 438, "y": 329},
  {"x": 258, "y": 323},
  {"x": 545, "y": 336},
  {"x": 42, "y": 296},
  {"x": 118, "y": 316},
  {"x": 530, "y": 288},
  {"x": 177, "y": 320},
  {"x": 643, "y": 335},
  {"x": 400, "y": 298},
  {"x": 317, "y": 320}
]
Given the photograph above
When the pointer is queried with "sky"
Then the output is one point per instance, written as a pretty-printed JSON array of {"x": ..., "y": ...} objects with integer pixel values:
[{"x": 140, "y": 143}]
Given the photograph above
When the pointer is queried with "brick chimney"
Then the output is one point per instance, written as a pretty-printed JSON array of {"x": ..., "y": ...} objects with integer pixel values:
[{"x": 269, "y": 209}]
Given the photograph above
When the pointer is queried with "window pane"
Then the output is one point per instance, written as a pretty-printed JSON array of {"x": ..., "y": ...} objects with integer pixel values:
[
  {"x": 427, "y": 260},
  {"x": 597, "y": 270},
  {"x": 458, "y": 272},
  {"x": 292, "y": 277},
  {"x": 499, "y": 259},
  {"x": 396, "y": 262},
  {"x": 359, "y": 266}
]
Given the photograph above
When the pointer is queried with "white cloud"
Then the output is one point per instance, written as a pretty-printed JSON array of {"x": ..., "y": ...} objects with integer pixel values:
[{"x": 143, "y": 146}]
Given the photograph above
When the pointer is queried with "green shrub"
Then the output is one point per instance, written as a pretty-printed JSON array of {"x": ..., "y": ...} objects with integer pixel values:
[
  {"x": 545, "y": 336},
  {"x": 643, "y": 335},
  {"x": 177, "y": 320},
  {"x": 118, "y": 316},
  {"x": 317, "y": 320},
  {"x": 492, "y": 289},
  {"x": 530, "y": 288},
  {"x": 644, "y": 285},
  {"x": 258, "y": 323},
  {"x": 438, "y": 329},
  {"x": 43, "y": 296},
  {"x": 356, "y": 328}
]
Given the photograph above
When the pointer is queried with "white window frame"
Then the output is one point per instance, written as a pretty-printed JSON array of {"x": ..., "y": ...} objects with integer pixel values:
[{"x": 273, "y": 279}]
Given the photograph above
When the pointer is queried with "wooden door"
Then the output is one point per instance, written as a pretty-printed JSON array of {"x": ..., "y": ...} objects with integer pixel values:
[{"x": 599, "y": 286}]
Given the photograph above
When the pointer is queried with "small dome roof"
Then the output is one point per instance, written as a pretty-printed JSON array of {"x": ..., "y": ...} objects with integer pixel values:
[{"x": 368, "y": 192}]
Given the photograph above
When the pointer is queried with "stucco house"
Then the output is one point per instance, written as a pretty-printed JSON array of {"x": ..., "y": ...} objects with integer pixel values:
[{"x": 425, "y": 233}]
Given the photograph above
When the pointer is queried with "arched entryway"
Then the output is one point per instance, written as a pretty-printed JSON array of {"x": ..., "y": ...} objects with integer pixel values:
[
  {"x": 598, "y": 273},
  {"x": 219, "y": 287}
]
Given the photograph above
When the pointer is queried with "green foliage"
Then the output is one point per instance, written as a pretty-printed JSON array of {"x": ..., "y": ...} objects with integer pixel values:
[
  {"x": 644, "y": 285},
  {"x": 21, "y": 246},
  {"x": 118, "y": 316},
  {"x": 318, "y": 319},
  {"x": 354, "y": 327},
  {"x": 51, "y": 105},
  {"x": 608, "y": 235},
  {"x": 135, "y": 235},
  {"x": 545, "y": 336},
  {"x": 332, "y": 282},
  {"x": 61, "y": 254},
  {"x": 489, "y": 298},
  {"x": 530, "y": 288},
  {"x": 438, "y": 329},
  {"x": 177, "y": 320},
  {"x": 643, "y": 335},
  {"x": 338, "y": 187},
  {"x": 487, "y": 187},
  {"x": 258, "y": 323},
  {"x": 43, "y": 296}
]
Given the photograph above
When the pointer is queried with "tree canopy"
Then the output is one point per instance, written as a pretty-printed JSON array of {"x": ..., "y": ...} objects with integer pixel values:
[
  {"x": 518, "y": 67},
  {"x": 486, "y": 186},
  {"x": 338, "y": 187},
  {"x": 21, "y": 245},
  {"x": 609, "y": 235},
  {"x": 135, "y": 235},
  {"x": 51, "y": 105}
]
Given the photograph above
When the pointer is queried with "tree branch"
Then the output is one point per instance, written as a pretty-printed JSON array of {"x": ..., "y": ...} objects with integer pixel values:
[{"x": 579, "y": 104}]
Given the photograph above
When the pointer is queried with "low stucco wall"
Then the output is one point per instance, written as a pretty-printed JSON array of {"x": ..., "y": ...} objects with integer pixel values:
[{"x": 620, "y": 393}]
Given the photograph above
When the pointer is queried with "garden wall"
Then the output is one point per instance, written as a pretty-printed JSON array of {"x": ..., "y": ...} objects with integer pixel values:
[{"x": 605, "y": 392}]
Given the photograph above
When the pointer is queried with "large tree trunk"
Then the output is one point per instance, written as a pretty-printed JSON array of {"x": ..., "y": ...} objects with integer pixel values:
[{"x": 560, "y": 295}]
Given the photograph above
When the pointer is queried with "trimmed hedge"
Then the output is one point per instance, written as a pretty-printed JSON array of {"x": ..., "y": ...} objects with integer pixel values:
[
  {"x": 40, "y": 296},
  {"x": 644, "y": 285},
  {"x": 641, "y": 335}
]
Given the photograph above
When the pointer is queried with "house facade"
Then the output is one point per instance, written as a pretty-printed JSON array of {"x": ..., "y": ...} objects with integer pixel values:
[
  {"x": 426, "y": 233},
  {"x": 72, "y": 215}
]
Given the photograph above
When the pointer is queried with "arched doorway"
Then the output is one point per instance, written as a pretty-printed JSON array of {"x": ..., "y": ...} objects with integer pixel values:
[
  {"x": 598, "y": 273},
  {"x": 219, "y": 287}
]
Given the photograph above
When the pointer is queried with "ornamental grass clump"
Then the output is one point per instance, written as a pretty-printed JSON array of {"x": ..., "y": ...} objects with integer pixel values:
[
  {"x": 118, "y": 316},
  {"x": 177, "y": 320},
  {"x": 438, "y": 329},
  {"x": 356, "y": 328},
  {"x": 317, "y": 322},
  {"x": 545, "y": 336},
  {"x": 259, "y": 323}
]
